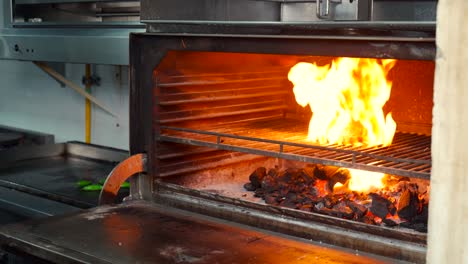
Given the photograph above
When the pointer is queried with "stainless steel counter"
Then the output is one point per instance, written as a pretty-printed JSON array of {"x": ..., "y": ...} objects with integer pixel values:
[{"x": 141, "y": 232}]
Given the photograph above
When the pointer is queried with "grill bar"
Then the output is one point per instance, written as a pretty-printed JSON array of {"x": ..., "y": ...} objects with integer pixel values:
[
  {"x": 224, "y": 114},
  {"x": 224, "y": 98},
  {"x": 408, "y": 156},
  {"x": 217, "y": 82}
]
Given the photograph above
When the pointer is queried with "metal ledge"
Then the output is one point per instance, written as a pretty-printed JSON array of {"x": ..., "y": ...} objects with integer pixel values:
[
  {"x": 95, "y": 46},
  {"x": 142, "y": 232},
  {"x": 215, "y": 206},
  {"x": 104, "y": 43}
]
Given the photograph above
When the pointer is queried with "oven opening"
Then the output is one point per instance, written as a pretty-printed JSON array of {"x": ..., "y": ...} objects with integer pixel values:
[{"x": 347, "y": 138}]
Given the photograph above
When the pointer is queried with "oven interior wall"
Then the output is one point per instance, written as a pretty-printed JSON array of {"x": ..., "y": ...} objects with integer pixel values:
[{"x": 209, "y": 90}]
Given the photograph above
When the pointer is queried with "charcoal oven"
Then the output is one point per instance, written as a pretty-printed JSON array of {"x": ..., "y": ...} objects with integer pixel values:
[
  {"x": 221, "y": 144},
  {"x": 209, "y": 109}
]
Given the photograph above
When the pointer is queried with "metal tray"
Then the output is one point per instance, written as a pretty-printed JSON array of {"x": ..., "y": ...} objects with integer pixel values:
[{"x": 52, "y": 171}]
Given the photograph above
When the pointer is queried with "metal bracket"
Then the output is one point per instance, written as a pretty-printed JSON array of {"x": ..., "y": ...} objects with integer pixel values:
[
  {"x": 93, "y": 80},
  {"x": 126, "y": 169},
  {"x": 326, "y": 14}
]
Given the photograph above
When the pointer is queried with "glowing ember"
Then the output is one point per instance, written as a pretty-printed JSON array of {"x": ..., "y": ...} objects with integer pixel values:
[{"x": 346, "y": 99}]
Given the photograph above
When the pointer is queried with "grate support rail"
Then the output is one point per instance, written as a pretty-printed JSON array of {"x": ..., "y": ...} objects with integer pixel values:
[{"x": 395, "y": 159}]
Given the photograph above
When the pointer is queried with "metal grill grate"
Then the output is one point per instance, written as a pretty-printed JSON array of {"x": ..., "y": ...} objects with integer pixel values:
[{"x": 409, "y": 155}]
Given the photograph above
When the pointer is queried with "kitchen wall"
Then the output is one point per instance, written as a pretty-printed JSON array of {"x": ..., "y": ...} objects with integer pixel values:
[{"x": 30, "y": 99}]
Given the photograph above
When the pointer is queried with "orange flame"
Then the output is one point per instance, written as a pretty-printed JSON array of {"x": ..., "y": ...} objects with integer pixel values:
[
  {"x": 363, "y": 181},
  {"x": 346, "y": 99}
]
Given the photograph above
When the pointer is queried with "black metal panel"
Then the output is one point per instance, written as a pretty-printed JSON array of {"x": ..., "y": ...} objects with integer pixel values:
[
  {"x": 144, "y": 57},
  {"x": 384, "y": 30},
  {"x": 209, "y": 10}
]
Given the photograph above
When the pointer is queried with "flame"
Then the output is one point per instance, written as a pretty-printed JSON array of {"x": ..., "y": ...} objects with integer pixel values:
[
  {"x": 363, "y": 181},
  {"x": 346, "y": 99}
]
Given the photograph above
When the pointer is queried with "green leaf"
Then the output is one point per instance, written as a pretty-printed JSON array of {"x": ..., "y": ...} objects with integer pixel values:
[
  {"x": 83, "y": 183},
  {"x": 93, "y": 187},
  {"x": 125, "y": 185}
]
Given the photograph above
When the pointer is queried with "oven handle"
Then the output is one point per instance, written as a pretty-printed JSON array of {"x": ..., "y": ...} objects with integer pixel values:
[
  {"x": 133, "y": 165},
  {"x": 326, "y": 14}
]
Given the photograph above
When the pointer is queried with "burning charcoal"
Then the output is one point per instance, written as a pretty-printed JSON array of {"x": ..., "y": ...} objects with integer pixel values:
[
  {"x": 249, "y": 187},
  {"x": 320, "y": 172},
  {"x": 407, "y": 179},
  {"x": 283, "y": 191},
  {"x": 291, "y": 196},
  {"x": 287, "y": 175},
  {"x": 423, "y": 216},
  {"x": 320, "y": 188},
  {"x": 288, "y": 203},
  {"x": 390, "y": 180},
  {"x": 359, "y": 196},
  {"x": 330, "y": 170},
  {"x": 257, "y": 176},
  {"x": 380, "y": 206},
  {"x": 389, "y": 222},
  {"x": 341, "y": 175},
  {"x": 343, "y": 210},
  {"x": 298, "y": 187},
  {"x": 318, "y": 206},
  {"x": 392, "y": 209},
  {"x": 359, "y": 210},
  {"x": 305, "y": 177},
  {"x": 273, "y": 172},
  {"x": 300, "y": 198},
  {"x": 338, "y": 211},
  {"x": 405, "y": 185},
  {"x": 337, "y": 198},
  {"x": 368, "y": 219},
  {"x": 307, "y": 201},
  {"x": 269, "y": 183},
  {"x": 408, "y": 205},
  {"x": 305, "y": 207},
  {"x": 269, "y": 199},
  {"x": 259, "y": 192},
  {"x": 327, "y": 202},
  {"x": 312, "y": 199},
  {"x": 311, "y": 189}
]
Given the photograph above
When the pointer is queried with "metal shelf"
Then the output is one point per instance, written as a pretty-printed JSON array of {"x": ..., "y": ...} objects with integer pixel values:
[{"x": 409, "y": 155}]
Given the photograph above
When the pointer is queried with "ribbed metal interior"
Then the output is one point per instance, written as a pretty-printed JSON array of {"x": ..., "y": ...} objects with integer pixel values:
[{"x": 211, "y": 119}]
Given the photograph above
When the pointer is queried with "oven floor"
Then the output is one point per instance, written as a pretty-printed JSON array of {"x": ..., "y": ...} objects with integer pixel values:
[{"x": 141, "y": 232}]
